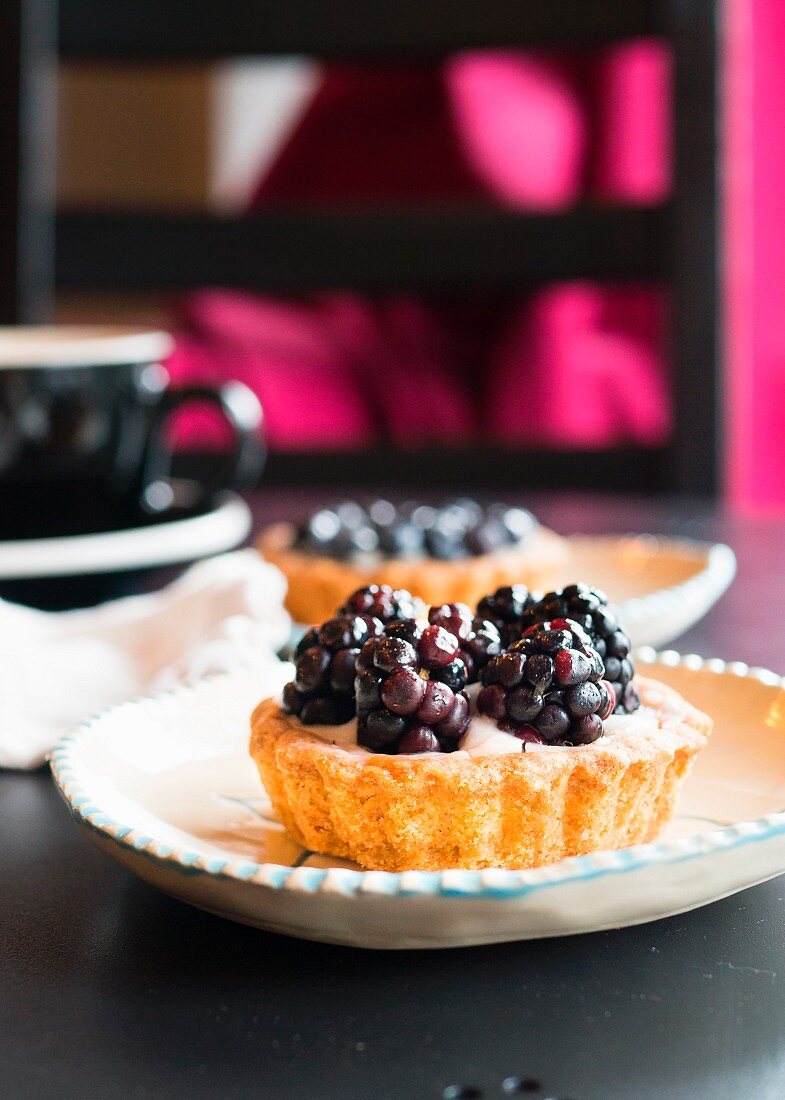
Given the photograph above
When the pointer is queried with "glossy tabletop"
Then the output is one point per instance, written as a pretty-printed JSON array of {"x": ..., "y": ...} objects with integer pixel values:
[{"x": 109, "y": 989}]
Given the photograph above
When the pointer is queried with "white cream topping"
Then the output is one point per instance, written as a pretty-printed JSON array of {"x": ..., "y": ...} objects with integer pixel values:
[{"x": 484, "y": 738}]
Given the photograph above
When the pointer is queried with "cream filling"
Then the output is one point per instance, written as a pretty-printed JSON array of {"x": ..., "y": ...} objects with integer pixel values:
[{"x": 484, "y": 738}]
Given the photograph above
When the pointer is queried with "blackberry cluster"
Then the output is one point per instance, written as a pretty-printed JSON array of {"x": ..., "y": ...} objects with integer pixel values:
[
  {"x": 514, "y": 610},
  {"x": 553, "y": 668},
  {"x": 505, "y": 608},
  {"x": 382, "y": 602},
  {"x": 405, "y": 701},
  {"x": 478, "y": 639},
  {"x": 325, "y": 663},
  {"x": 589, "y": 608},
  {"x": 458, "y": 529},
  {"x": 549, "y": 687}
]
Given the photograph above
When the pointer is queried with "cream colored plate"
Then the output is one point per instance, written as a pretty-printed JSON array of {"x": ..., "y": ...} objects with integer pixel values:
[
  {"x": 661, "y": 586},
  {"x": 165, "y": 786}
]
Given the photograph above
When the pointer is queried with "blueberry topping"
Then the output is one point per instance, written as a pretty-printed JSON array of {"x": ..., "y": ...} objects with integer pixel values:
[
  {"x": 492, "y": 701},
  {"x": 524, "y": 704},
  {"x": 583, "y": 699},
  {"x": 586, "y": 729},
  {"x": 505, "y": 608},
  {"x": 310, "y": 638}
]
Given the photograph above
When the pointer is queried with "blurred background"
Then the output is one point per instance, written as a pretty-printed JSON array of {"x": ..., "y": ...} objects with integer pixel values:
[{"x": 463, "y": 245}]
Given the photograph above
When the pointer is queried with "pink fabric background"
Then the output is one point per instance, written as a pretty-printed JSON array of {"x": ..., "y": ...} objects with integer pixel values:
[
  {"x": 755, "y": 254},
  {"x": 571, "y": 365}
]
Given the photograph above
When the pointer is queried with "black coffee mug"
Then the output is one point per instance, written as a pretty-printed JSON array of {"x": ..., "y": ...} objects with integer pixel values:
[{"x": 84, "y": 414}]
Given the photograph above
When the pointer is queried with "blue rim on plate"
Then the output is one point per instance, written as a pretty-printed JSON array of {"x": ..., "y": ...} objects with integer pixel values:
[{"x": 487, "y": 884}]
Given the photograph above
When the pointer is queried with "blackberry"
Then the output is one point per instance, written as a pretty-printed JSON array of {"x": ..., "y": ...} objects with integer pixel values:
[
  {"x": 398, "y": 536},
  {"x": 455, "y": 617},
  {"x": 550, "y": 683},
  {"x": 409, "y": 689},
  {"x": 589, "y": 608},
  {"x": 518, "y": 522},
  {"x": 486, "y": 537},
  {"x": 341, "y": 532},
  {"x": 483, "y": 643},
  {"x": 457, "y": 529},
  {"x": 381, "y": 602},
  {"x": 505, "y": 608},
  {"x": 455, "y": 675},
  {"x": 325, "y": 670},
  {"x": 478, "y": 637}
]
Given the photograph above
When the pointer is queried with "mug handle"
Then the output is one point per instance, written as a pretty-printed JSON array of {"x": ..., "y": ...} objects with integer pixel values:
[{"x": 241, "y": 409}]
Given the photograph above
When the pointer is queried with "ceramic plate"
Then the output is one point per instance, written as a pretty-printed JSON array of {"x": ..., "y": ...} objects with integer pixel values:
[
  {"x": 221, "y": 527},
  {"x": 661, "y": 586},
  {"x": 165, "y": 786}
]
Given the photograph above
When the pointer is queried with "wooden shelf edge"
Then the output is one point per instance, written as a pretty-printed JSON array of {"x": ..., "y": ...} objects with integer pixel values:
[
  {"x": 446, "y": 470},
  {"x": 157, "y": 29},
  {"x": 385, "y": 248}
]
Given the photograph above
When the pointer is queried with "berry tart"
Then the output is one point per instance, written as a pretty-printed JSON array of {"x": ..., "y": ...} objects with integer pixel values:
[
  {"x": 511, "y": 736},
  {"x": 453, "y": 553}
]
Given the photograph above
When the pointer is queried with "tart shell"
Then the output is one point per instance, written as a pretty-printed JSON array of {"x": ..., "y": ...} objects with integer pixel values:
[
  {"x": 435, "y": 812},
  {"x": 317, "y": 586}
]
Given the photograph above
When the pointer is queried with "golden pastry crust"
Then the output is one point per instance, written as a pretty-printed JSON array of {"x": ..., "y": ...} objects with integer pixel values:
[
  {"x": 317, "y": 586},
  {"x": 435, "y": 812}
]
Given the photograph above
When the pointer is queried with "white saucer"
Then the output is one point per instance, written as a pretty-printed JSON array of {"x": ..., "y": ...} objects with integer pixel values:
[
  {"x": 166, "y": 787},
  {"x": 220, "y": 528},
  {"x": 660, "y": 586}
]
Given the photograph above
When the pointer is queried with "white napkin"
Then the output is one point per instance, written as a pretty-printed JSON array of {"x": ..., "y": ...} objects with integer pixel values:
[{"x": 59, "y": 668}]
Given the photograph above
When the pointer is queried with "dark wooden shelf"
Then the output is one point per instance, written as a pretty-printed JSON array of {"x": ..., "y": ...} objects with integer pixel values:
[
  {"x": 421, "y": 250},
  {"x": 340, "y": 28},
  {"x": 377, "y": 249},
  {"x": 472, "y": 469}
]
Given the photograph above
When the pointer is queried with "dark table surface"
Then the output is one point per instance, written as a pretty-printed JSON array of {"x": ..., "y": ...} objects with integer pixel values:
[{"x": 110, "y": 989}]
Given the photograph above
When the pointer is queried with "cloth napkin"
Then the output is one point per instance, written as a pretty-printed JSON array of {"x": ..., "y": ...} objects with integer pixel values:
[{"x": 57, "y": 669}]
